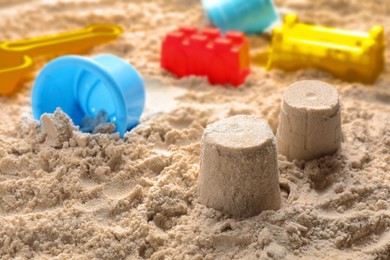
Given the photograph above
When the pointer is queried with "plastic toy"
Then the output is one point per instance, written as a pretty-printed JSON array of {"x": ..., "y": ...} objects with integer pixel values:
[
  {"x": 249, "y": 16},
  {"x": 94, "y": 124},
  {"x": 224, "y": 60},
  {"x": 82, "y": 87},
  {"x": 352, "y": 56},
  {"x": 17, "y": 57}
]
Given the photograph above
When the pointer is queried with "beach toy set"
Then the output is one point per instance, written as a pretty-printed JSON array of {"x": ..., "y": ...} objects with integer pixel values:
[
  {"x": 238, "y": 163},
  {"x": 348, "y": 55},
  {"x": 222, "y": 59},
  {"x": 84, "y": 87},
  {"x": 190, "y": 52}
]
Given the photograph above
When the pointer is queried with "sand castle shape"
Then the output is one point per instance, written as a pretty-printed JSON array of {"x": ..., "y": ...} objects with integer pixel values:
[
  {"x": 310, "y": 121},
  {"x": 239, "y": 167}
]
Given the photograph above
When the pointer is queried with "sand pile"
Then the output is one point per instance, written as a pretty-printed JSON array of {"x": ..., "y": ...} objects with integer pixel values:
[{"x": 97, "y": 196}]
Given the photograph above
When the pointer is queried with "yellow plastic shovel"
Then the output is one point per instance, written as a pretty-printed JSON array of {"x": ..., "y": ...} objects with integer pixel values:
[{"x": 17, "y": 57}]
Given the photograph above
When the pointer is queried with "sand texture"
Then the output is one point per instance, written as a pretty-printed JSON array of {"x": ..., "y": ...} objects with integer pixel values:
[
  {"x": 99, "y": 197},
  {"x": 239, "y": 167},
  {"x": 309, "y": 121}
]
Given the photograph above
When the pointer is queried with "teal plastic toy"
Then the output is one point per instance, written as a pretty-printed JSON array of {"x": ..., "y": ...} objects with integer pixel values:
[{"x": 249, "y": 16}]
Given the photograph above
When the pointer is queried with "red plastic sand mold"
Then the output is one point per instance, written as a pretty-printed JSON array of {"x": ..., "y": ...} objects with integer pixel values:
[{"x": 223, "y": 59}]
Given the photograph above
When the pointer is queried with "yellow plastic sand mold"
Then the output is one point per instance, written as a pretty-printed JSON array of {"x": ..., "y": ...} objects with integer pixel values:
[
  {"x": 17, "y": 57},
  {"x": 349, "y": 55}
]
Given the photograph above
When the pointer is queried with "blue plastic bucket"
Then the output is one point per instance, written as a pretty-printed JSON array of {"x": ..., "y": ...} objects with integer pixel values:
[
  {"x": 84, "y": 86},
  {"x": 249, "y": 16}
]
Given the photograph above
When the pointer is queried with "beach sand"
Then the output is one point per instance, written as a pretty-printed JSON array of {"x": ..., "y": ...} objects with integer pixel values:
[{"x": 98, "y": 196}]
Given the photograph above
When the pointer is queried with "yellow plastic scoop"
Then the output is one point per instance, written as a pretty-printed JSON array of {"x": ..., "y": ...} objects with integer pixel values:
[{"x": 17, "y": 57}]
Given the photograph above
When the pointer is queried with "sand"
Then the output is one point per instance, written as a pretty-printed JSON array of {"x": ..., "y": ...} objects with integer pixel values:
[
  {"x": 309, "y": 121},
  {"x": 97, "y": 196},
  {"x": 239, "y": 172}
]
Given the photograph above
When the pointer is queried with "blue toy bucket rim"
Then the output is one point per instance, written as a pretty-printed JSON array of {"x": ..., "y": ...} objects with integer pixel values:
[{"x": 91, "y": 66}]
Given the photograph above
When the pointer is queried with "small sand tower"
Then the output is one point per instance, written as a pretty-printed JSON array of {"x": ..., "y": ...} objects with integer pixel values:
[
  {"x": 309, "y": 121},
  {"x": 239, "y": 169}
]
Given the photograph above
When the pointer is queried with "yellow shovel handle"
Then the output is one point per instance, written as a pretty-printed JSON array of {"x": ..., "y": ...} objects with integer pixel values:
[{"x": 69, "y": 42}]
